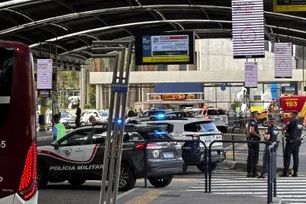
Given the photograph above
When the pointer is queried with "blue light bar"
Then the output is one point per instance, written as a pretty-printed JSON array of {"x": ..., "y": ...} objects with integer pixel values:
[
  {"x": 119, "y": 121},
  {"x": 160, "y": 132},
  {"x": 161, "y": 116}
]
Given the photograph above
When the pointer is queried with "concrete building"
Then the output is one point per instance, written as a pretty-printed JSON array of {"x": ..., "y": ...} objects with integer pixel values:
[{"x": 214, "y": 67}]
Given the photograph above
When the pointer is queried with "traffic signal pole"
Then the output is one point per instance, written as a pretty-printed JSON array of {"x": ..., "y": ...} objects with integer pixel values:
[{"x": 117, "y": 110}]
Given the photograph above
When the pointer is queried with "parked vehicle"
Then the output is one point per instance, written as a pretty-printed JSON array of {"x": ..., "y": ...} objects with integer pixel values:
[
  {"x": 197, "y": 129},
  {"x": 77, "y": 157}
]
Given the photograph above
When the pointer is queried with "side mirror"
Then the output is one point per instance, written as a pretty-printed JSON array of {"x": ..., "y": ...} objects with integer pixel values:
[{"x": 55, "y": 145}]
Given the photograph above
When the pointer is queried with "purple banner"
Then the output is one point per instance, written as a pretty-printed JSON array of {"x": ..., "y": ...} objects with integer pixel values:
[{"x": 251, "y": 75}]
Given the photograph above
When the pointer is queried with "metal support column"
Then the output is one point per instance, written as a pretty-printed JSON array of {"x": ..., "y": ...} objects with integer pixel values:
[
  {"x": 55, "y": 109},
  {"x": 117, "y": 110},
  {"x": 43, "y": 107}
]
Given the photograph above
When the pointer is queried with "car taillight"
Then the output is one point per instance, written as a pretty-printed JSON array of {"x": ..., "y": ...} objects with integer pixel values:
[
  {"x": 139, "y": 147},
  {"x": 149, "y": 146},
  {"x": 222, "y": 135},
  {"x": 207, "y": 117},
  {"x": 28, "y": 183}
]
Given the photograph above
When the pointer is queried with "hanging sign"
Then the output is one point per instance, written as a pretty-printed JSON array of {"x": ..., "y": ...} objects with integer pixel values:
[
  {"x": 44, "y": 74},
  {"x": 248, "y": 28},
  {"x": 251, "y": 75},
  {"x": 283, "y": 60}
]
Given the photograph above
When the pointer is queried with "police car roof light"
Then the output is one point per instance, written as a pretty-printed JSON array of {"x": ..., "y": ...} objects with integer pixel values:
[{"x": 119, "y": 121}]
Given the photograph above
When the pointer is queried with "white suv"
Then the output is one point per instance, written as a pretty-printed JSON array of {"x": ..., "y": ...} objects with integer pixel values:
[{"x": 194, "y": 129}]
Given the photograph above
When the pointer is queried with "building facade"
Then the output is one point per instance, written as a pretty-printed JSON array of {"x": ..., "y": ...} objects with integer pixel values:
[{"x": 214, "y": 68}]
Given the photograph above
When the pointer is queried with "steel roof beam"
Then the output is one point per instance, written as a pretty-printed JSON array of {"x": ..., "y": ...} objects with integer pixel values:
[
  {"x": 128, "y": 25},
  {"x": 128, "y": 8}
]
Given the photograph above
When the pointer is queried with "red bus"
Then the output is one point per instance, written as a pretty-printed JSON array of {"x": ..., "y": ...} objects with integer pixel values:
[{"x": 18, "y": 166}]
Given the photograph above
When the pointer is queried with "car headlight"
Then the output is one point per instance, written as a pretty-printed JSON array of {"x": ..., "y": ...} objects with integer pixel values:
[
  {"x": 63, "y": 121},
  {"x": 155, "y": 153}
]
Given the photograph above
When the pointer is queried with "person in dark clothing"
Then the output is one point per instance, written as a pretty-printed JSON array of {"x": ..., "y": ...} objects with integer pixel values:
[
  {"x": 253, "y": 148},
  {"x": 270, "y": 136},
  {"x": 78, "y": 116},
  {"x": 293, "y": 135},
  {"x": 131, "y": 113}
]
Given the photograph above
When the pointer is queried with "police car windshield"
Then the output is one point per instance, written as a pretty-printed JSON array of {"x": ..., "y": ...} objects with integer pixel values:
[
  {"x": 216, "y": 112},
  {"x": 156, "y": 113},
  {"x": 103, "y": 113}
]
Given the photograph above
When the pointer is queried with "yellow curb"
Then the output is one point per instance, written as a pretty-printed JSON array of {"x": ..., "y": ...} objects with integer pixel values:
[{"x": 146, "y": 197}]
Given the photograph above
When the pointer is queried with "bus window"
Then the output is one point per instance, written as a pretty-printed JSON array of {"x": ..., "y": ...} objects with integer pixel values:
[{"x": 6, "y": 79}]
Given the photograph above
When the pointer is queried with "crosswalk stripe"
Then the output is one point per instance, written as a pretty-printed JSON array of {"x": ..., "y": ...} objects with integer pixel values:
[{"x": 290, "y": 190}]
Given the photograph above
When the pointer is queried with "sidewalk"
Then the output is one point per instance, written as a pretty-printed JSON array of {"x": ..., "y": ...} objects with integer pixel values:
[{"x": 155, "y": 196}]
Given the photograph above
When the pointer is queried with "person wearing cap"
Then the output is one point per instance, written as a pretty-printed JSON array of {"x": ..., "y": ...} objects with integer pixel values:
[
  {"x": 271, "y": 136},
  {"x": 253, "y": 148},
  {"x": 294, "y": 129}
]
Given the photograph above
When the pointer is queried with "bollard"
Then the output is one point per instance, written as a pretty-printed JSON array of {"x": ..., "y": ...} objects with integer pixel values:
[{"x": 233, "y": 138}]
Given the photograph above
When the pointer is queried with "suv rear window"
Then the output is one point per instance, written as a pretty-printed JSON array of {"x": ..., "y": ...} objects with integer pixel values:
[
  {"x": 216, "y": 112},
  {"x": 201, "y": 127},
  {"x": 6, "y": 82},
  {"x": 156, "y": 135},
  {"x": 165, "y": 126}
]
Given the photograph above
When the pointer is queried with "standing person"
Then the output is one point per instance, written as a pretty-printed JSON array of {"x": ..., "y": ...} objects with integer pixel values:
[
  {"x": 131, "y": 113},
  {"x": 271, "y": 137},
  {"x": 58, "y": 130},
  {"x": 78, "y": 116},
  {"x": 293, "y": 135},
  {"x": 253, "y": 148}
]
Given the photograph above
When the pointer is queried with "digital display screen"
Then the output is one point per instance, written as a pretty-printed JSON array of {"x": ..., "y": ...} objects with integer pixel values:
[
  {"x": 165, "y": 48},
  {"x": 289, "y": 5}
]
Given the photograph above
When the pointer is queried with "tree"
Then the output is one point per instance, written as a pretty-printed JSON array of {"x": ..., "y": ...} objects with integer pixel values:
[
  {"x": 92, "y": 96},
  {"x": 67, "y": 80}
]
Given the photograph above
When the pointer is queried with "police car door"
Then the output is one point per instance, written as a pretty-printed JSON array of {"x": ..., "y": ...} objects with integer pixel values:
[
  {"x": 70, "y": 152},
  {"x": 96, "y": 151}
]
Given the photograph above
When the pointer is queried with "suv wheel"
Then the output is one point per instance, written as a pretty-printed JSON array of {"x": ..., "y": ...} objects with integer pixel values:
[
  {"x": 160, "y": 182},
  {"x": 127, "y": 179},
  {"x": 202, "y": 168},
  {"x": 76, "y": 182},
  {"x": 41, "y": 177}
]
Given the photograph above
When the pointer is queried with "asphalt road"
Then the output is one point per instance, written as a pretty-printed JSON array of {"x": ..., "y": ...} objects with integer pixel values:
[{"x": 64, "y": 193}]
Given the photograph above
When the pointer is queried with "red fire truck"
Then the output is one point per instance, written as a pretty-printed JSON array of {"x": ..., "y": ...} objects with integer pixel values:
[{"x": 293, "y": 103}]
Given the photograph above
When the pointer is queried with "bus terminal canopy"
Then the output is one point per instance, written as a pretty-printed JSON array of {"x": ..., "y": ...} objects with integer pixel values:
[{"x": 71, "y": 25}]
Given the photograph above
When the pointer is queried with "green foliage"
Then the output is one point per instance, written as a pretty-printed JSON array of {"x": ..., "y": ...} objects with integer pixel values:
[
  {"x": 92, "y": 96},
  {"x": 67, "y": 80},
  {"x": 234, "y": 105}
]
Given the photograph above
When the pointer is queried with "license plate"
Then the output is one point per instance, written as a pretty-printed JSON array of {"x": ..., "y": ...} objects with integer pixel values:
[
  {"x": 216, "y": 119},
  {"x": 208, "y": 139},
  {"x": 168, "y": 155}
]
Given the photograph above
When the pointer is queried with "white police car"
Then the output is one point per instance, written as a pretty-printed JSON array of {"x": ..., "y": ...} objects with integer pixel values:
[{"x": 78, "y": 157}]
